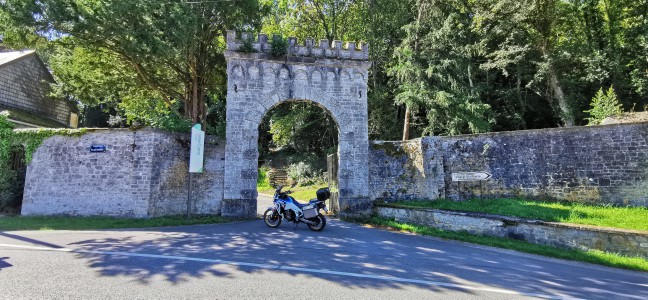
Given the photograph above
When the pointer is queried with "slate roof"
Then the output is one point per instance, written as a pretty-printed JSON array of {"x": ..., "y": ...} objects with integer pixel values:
[
  {"x": 24, "y": 89},
  {"x": 7, "y": 57}
]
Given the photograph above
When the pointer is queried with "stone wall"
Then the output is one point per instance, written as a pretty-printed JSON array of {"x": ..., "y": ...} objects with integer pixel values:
[
  {"x": 141, "y": 174},
  {"x": 596, "y": 164},
  {"x": 404, "y": 171},
  {"x": 625, "y": 242}
]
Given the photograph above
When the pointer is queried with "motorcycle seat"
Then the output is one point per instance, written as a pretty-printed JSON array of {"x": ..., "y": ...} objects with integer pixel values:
[{"x": 300, "y": 205}]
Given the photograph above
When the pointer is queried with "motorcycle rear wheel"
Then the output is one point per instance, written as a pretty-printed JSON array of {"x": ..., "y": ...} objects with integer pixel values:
[
  {"x": 271, "y": 218},
  {"x": 320, "y": 223}
]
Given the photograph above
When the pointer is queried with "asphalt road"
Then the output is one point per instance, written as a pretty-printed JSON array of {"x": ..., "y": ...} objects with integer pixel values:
[{"x": 249, "y": 260}]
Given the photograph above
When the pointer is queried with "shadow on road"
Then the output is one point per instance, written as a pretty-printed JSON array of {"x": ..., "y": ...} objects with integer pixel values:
[
  {"x": 346, "y": 247},
  {"x": 29, "y": 240},
  {"x": 4, "y": 264}
]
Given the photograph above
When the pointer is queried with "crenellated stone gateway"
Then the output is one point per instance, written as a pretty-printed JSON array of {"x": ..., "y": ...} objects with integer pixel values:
[
  {"x": 144, "y": 173},
  {"x": 334, "y": 78}
]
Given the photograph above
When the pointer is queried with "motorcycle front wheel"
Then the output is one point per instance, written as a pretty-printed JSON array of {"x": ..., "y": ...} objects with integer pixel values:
[
  {"x": 320, "y": 223},
  {"x": 272, "y": 218}
]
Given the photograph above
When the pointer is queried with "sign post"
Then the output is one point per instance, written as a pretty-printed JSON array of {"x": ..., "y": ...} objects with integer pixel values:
[
  {"x": 471, "y": 176},
  {"x": 195, "y": 159}
]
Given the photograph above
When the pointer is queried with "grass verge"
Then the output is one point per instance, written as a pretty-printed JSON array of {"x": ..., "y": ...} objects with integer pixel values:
[
  {"x": 301, "y": 193},
  {"x": 565, "y": 212},
  {"x": 83, "y": 223},
  {"x": 591, "y": 256}
]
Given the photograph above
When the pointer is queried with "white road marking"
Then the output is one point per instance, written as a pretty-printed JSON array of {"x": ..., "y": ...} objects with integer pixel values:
[{"x": 278, "y": 267}]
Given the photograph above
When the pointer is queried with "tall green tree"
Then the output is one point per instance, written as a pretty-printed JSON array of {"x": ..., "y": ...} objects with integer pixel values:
[
  {"x": 524, "y": 35},
  {"x": 174, "y": 48},
  {"x": 437, "y": 69}
]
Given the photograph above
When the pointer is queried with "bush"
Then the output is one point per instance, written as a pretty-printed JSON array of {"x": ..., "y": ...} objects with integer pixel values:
[
  {"x": 603, "y": 106},
  {"x": 263, "y": 182},
  {"x": 304, "y": 173},
  {"x": 248, "y": 44},
  {"x": 8, "y": 180},
  {"x": 279, "y": 46}
]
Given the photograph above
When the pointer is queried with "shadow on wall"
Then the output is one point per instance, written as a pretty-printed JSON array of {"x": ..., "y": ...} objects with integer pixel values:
[{"x": 342, "y": 246}]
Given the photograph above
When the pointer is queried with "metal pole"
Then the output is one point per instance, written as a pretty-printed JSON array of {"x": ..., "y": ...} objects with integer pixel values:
[
  {"x": 481, "y": 193},
  {"x": 189, "y": 198}
]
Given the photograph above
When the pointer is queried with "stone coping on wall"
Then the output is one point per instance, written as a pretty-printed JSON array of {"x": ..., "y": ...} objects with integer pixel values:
[
  {"x": 299, "y": 60},
  {"x": 563, "y": 235},
  {"x": 338, "y": 49},
  {"x": 512, "y": 220},
  {"x": 541, "y": 130},
  {"x": 518, "y": 132}
]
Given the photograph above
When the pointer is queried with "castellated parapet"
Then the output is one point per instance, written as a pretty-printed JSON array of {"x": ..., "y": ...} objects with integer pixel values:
[{"x": 324, "y": 50}]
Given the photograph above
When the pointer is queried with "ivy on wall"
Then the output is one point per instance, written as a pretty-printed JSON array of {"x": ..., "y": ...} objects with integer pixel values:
[{"x": 27, "y": 139}]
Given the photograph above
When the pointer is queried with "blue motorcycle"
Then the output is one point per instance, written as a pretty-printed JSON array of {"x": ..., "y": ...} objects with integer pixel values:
[{"x": 286, "y": 207}]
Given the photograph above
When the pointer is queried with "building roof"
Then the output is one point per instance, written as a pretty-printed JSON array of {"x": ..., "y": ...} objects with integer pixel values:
[
  {"x": 7, "y": 57},
  {"x": 29, "y": 119}
]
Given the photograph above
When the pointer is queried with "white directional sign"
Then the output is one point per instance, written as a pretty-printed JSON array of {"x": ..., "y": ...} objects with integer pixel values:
[
  {"x": 471, "y": 176},
  {"x": 197, "y": 149}
]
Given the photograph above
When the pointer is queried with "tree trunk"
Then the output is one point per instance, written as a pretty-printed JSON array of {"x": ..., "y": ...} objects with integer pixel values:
[
  {"x": 406, "y": 127},
  {"x": 194, "y": 100},
  {"x": 565, "y": 111}
]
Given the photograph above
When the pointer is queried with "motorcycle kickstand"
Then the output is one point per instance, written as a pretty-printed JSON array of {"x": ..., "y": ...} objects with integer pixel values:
[{"x": 296, "y": 224}]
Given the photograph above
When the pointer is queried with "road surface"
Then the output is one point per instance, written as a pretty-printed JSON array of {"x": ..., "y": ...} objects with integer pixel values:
[{"x": 247, "y": 260}]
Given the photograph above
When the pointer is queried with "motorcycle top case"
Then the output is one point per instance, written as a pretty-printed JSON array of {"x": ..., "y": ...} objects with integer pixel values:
[{"x": 323, "y": 194}]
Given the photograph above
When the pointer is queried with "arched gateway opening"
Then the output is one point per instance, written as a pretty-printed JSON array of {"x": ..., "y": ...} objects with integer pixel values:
[{"x": 332, "y": 77}]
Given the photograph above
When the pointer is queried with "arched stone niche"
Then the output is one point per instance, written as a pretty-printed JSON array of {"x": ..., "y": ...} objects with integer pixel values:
[{"x": 256, "y": 83}]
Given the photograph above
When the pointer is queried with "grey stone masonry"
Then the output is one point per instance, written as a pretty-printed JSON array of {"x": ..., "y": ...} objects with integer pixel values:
[
  {"x": 336, "y": 80},
  {"x": 404, "y": 171},
  {"x": 141, "y": 174},
  {"x": 594, "y": 164}
]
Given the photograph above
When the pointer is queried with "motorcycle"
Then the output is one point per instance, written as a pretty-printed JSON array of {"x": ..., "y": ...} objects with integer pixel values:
[{"x": 286, "y": 207}]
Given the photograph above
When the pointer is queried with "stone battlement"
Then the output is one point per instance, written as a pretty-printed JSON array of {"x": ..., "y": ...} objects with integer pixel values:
[{"x": 309, "y": 49}]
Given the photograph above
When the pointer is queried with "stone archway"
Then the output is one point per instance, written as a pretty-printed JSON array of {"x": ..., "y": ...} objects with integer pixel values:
[{"x": 332, "y": 77}]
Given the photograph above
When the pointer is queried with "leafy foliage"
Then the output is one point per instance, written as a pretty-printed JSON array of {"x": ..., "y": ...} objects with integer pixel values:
[
  {"x": 278, "y": 46},
  {"x": 263, "y": 181},
  {"x": 304, "y": 173},
  {"x": 302, "y": 127},
  {"x": 459, "y": 66},
  {"x": 172, "y": 49},
  {"x": 603, "y": 106},
  {"x": 247, "y": 45},
  {"x": 436, "y": 68},
  {"x": 27, "y": 139}
]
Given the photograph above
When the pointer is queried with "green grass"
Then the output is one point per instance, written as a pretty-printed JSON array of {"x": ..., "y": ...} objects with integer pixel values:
[
  {"x": 301, "y": 193},
  {"x": 591, "y": 256},
  {"x": 576, "y": 213},
  {"x": 263, "y": 183},
  {"x": 81, "y": 223}
]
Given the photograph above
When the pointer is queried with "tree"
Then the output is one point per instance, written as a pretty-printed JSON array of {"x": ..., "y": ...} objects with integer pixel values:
[
  {"x": 436, "y": 68},
  {"x": 523, "y": 33},
  {"x": 329, "y": 19},
  {"x": 603, "y": 106},
  {"x": 174, "y": 48}
]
